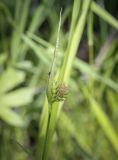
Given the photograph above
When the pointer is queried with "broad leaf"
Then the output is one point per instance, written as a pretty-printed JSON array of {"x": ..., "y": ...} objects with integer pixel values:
[
  {"x": 10, "y": 78},
  {"x": 17, "y": 98},
  {"x": 11, "y": 117}
]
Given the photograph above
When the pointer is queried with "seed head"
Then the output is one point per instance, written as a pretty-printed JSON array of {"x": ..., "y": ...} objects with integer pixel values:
[{"x": 60, "y": 93}]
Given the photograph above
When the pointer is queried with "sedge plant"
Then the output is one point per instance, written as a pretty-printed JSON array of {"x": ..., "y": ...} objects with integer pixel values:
[
  {"x": 49, "y": 117},
  {"x": 87, "y": 126}
]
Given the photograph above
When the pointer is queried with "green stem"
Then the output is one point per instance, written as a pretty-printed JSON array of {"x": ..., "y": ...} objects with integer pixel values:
[
  {"x": 45, "y": 148},
  {"x": 43, "y": 131}
]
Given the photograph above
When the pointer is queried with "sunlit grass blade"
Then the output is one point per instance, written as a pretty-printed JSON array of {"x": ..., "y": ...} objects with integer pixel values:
[
  {"x": 21, "y": 21},
  {"x": 104, "y": 15},
  {"x": 104, "y": 123},
  {"x": 101, "y": 116}
]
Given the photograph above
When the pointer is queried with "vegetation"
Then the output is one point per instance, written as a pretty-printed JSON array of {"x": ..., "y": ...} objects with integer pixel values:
[{"x": 58, "y": 80}]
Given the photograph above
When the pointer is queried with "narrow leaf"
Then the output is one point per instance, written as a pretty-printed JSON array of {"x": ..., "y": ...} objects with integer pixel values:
[{"x": 105, "y": 123}]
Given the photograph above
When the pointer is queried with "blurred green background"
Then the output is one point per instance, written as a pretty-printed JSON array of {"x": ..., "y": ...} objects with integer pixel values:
[{"x": 87, "y": 126}]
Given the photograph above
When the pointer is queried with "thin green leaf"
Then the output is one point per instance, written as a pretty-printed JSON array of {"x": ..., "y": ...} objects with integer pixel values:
[
  {"x": 105, "y": 123},
  {"x": 38, "y": 50},
  {"x": 90, "y": 72},
  {"x": 104, "y": 15}
]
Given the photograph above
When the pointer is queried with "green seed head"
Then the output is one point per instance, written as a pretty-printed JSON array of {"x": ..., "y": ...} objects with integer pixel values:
[{"x": 58, "y": 92}]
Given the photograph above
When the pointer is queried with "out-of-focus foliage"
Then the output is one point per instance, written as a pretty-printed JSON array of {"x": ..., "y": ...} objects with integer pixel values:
[{"x": 87, "y": 126}]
